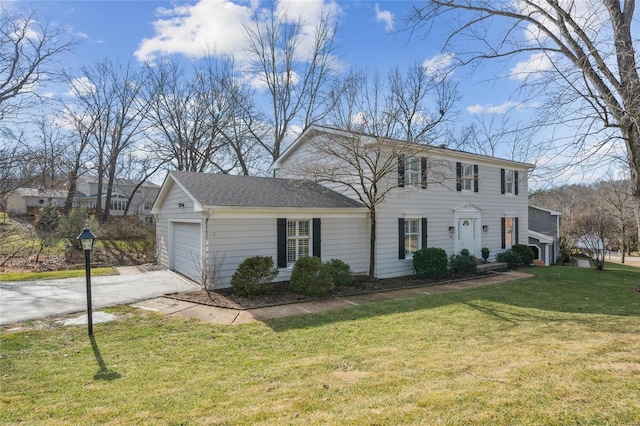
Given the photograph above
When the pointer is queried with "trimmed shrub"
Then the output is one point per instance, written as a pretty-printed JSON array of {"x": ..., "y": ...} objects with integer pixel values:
[
  {"x": 311, "y": 277},
  {"x": 340, "y": 272},
  {"x": 463, "y": 263},
  {"x": 510, "y": 257},
  {"x": 430, "y": 263},
  {"x": 525, "y": 252},
  {"x": 253, "y": 275}
]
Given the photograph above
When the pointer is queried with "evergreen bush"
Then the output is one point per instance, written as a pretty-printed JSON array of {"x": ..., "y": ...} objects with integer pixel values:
[
  {"x": 311, "y": 277},
  {"x": 463, "y": 263},
  {"x": 253, "y": 275},
  {"x": 430, "y": 263},
  {"x": 340, "y": 272},
  {"x": 510, "y": 257},
  {"x": 525, "y": 252}
]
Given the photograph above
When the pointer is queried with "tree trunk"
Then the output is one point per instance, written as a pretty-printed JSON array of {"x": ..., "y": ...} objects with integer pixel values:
[{"x": 372, "y": 244}]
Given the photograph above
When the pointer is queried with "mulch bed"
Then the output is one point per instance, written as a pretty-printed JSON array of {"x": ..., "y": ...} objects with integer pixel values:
[{"x": 282, "y": 294}]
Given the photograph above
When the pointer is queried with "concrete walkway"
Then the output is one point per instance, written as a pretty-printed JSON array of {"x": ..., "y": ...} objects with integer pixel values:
[{"x": 216, "y": 315}]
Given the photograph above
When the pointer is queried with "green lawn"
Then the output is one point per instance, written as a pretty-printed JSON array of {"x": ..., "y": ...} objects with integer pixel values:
[
  {"x": 560, "y": 348},
  {"x": 52, "y": 275}
]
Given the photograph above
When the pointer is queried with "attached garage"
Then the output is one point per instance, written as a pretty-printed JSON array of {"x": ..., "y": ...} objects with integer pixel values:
[
  {"x": 212, "y": 223},
  {"x": 185, "y": 244}
]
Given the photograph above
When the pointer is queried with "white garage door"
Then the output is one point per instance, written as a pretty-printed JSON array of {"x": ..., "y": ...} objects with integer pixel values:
[{"x": 186, "y": 249}]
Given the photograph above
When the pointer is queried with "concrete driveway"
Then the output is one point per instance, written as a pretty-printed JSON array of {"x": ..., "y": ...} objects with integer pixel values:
[{"x": 28, "y": 300}]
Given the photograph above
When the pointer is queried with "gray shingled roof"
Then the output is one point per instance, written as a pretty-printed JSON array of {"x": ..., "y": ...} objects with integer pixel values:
[{"x": 250, "y": 191}]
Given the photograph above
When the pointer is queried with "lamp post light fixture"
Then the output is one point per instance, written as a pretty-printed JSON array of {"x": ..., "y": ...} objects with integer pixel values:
[{"x": 87, "y": 238}]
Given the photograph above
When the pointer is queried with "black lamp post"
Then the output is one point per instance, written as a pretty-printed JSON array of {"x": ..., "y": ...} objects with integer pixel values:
[{"x": 87, "y": 238}]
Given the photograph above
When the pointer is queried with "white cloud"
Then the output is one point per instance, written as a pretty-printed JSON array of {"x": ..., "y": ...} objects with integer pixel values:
[
  {"x": 82, "y": 86},
  {"x": 385, "y": 17},
  {"x": 194, "y": 30},
  {"x": 498, "y": 109},
  {"x": 438, "y": 65},
  {"x": 218, "y": 26},
  {"x": 537, "y": 63}
]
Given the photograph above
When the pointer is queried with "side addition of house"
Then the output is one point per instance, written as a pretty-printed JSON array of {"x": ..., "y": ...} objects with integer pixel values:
[{"x": 544, "y": 234}]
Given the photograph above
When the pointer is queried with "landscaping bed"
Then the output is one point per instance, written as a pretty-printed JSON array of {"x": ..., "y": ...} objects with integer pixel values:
[{"x": 281, "y": 293}]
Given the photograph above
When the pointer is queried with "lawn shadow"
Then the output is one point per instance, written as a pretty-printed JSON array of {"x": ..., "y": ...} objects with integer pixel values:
[
  {"x": 604, "y": 294},
  {"x": 104, "y": 373}
]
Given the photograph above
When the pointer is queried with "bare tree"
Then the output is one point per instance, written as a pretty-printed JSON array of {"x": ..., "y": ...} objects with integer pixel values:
[
  {"x": 411, "y": 107},
  {"x": 593, "y": 229},
  {"x": 76, "y": 154},
  {"x": 294, "y": 63},
  {"x": 200, "y": 119},
  {"x": 585, "y": 51},
  {"x": 29, "y": 53},
  {"x": 367, "y": 168},
  {"x": 109, "y": 93},
  {"x": 616, "y": 198}
]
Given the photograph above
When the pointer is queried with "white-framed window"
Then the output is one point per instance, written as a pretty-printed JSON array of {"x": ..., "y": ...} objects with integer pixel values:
[
  {"x": 298, "y": 240},
  {"x": 118, "y": 205},
  {"x": 466, "y": 178},
  {"x": 148, "y": 205},
  {"x": 509, "y": 231},
  {"x": 509, "y": 182},
  {"x": 411, "y": 237},
  {"x": 412, "y": 172}
]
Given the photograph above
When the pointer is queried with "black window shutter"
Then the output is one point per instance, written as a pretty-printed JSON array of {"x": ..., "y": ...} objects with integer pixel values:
[
  {"x": 458, "y": 176},
  {"x": 316, "y": 237},
  {"x": 515, "y": 183},
  {"x": 282, "y": 243},
  {"x": 504, "y": 240},
  {"x": 401, "y": 171},
  {"x": 515, "y": 230},
  {"x": 502, "y": 183},
  {"x": 423, "y": 169},
  {"x": 401, "y": 252},
  {"x": 424, "y": 232},
  {"x": 475, "y": 178}
]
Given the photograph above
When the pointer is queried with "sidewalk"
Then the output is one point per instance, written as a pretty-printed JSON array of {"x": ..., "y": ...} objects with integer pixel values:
[{"x": 216, "y": 315}]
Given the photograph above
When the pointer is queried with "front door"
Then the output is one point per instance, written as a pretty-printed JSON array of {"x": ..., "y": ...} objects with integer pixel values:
[{"x": 467, "y": 235}]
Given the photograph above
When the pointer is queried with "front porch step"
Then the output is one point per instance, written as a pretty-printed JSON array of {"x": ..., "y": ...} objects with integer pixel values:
[{"x": 484, "y": 268}]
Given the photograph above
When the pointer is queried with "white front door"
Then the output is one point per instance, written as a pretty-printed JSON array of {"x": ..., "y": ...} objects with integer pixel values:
[{"x": 467, "y": 235}]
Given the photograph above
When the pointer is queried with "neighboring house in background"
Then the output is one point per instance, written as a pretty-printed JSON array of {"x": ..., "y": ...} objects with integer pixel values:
[
  {"x": 29, "y": 200},
  {"x": 544, "y": 234},
  {"x": 482, "y": 202},
  {"x": 203, "y": 219},
  {"x": 141, "y": 204}
]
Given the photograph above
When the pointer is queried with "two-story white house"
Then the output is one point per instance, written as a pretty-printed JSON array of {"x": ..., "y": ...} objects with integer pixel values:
[
  {"x": 142, "y": 196},
  {"x": 318, "y": 204}
]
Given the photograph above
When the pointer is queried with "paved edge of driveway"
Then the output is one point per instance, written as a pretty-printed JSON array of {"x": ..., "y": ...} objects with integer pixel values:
[{"x": 226, "y": 316}]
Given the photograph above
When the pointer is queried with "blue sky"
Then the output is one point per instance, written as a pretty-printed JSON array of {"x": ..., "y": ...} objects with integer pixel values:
[{"x": 370, "y": 37}]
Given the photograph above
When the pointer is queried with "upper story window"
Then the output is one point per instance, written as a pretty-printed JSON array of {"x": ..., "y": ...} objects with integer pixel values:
[
  {"x": 148, "y": 205},
  {"x": 412, "y": 172},
  {"x": 509, "y": 181},
  {"x": 466, "y": 177}
]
